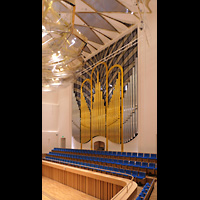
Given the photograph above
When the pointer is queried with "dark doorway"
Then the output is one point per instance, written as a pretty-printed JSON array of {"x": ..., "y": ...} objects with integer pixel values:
[{"x": 99, "y": 146}]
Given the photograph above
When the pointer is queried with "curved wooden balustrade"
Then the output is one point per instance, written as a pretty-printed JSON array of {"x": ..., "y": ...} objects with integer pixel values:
[{"x": 99, "y": 185}]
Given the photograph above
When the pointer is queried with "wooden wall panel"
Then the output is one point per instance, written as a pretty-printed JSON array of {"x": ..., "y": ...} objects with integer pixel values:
[{"x": 99, "y": 185}]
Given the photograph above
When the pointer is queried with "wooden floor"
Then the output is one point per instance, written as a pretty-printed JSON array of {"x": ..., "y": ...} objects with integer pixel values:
[{"x": 53, "y": 190}]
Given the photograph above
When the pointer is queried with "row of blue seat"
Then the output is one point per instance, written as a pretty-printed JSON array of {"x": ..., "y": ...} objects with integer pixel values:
[
  {"x": 111, "y": 153},
  {"x": 108, "y": 160},
  {"x": 112, "y": 170},
  {"x": 144, "y": 191}
]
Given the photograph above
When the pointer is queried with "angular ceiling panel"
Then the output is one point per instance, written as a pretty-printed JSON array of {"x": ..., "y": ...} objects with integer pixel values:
[
  {"x": 110, "y": 34},
  {"x": 131, "y": 5},
  {"x": 83, "y": 7},
  {"x": 119, "y": 26},
  {"x": 86, "y": 49},
  {"x": 102, "y": 37},
  {"x": 123, "y": 17},
  {"x": 96, "y": 20},
  {"x": 89, "y": 34},
  {"x": 78, "y": 21},
  {"x": 107, "y": 6}
]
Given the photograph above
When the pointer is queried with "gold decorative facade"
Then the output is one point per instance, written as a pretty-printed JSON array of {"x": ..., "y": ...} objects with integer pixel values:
[{"x": 105, "y": 120}]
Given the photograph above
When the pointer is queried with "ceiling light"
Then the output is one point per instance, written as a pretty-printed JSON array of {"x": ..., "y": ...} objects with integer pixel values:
[{"x": 55, "y": 84}]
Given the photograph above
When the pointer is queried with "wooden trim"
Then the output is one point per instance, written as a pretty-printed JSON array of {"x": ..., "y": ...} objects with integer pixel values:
[{"x": 96, "y": 184}]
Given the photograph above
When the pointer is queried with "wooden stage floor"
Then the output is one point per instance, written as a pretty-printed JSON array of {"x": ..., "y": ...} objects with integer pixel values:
[{"x": 53, "y": 190}]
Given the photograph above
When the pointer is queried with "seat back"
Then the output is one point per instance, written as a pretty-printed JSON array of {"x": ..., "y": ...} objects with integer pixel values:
[
  {"x": 146, "y": 155},
  {"x": 128, "y": 154},
  {"x": 153, "y": 155},
  {"x": 132, "y": 162},
  {"x": 134, "y": 173},
  {"x": 140, "y": 154},
  {"x": 152, "y": 165},
  {"x": 128, "y": 171},
  {"x": 145, "y": 164},
  {"x": 138, "y": 163},
  {"x": 123, "y": 154},
  {"x": 134, "y": 154},
  {"x": 142, "y": 174},
  {"x": 125, "y": 161}
]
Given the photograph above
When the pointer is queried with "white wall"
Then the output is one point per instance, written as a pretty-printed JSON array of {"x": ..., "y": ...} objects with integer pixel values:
[
  {"x": 129, "y": 147},
  {"x": 147, "y": 85},
  {"x": 50, "y": 109},
  {"x": 56, "y": 118},
  {"x": 65, "y": 114}
]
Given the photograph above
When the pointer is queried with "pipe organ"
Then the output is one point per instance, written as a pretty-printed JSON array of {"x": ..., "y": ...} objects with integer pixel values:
[
  {"x": 108, "y": 101},
  {"x": 121, "y": 110}
]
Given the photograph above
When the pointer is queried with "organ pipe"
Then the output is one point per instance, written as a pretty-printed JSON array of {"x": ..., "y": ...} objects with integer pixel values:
[
  {"x": 98, "y": 112},
  {"x": 114, "y": 114}
]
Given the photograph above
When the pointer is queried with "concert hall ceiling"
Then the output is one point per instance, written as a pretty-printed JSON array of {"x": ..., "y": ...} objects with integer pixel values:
[{"x": 101, "y": 21}]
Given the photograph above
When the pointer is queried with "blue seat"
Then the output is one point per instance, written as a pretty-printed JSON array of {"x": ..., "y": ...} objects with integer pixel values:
[
  {"x": 146, "y": 187},
  {"x": 110, "y": 168},
  {"x": 92, "y": 165},
  {"x": 131, "y": 163},
  {"x": 128, "y": 171},
  {"x": 114, "y": 153},
  {"x": 146, "y": 155},
  {"x": 107, "y": 153},
  {"x": 153, "y": 156},
  {"x": 144, "y": 165},
  {"x": 141, "y": 175},
  {"x": 114, "y": 161},
  {"x": 139, "y": 198},
  {"x": 123, "y": 154},
  {"x": 138, "y": 163},
  {"x": 142, "y": 195},
  {"x": 140, "y": 155},
  {"x": 116, "y": 169},
  {"x": 151, "y": 166},
  {"x": 134, "y": 155},
  {"x": 147, "y": 184},
  {"x": 119, "y": 153},
  {"x": 134, "y": 173},
  {"x": 122, "y": 170},
  {"x": 128, "y": 154},
  {"x": 125, "y": 163}
]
